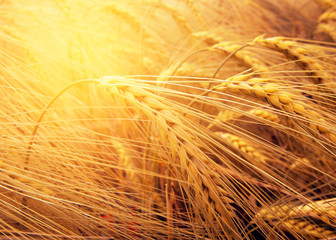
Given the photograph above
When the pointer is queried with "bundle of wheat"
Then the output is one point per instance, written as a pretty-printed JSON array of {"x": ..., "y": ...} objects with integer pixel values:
[{"x": 167, "y": 119}]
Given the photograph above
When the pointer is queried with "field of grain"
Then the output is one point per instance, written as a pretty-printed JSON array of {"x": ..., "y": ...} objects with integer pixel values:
[{"x": 167, "y": 119}]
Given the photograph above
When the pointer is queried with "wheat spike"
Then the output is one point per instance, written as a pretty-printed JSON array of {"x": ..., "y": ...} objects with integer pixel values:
[
  {"x": 196, "y": 12},
  {"x": 261, "y": 113},
  {"x": 182, "y": 151},
  {"x": 208, "y": 37},
  {"x": 246, "y": 57},
  {"x": 293, "y": 51},
  {"x": 306, "y": 228},
  {"x": 176, "y": 15},
  {"x": 280, "y": 99},
  {"x": 324, "y": 210},
  {"x": 326, "y": 4},
  {"x": 327, "y": 28},
  {"x": 329, "y": 15},
  {"x": 291, "y": 218},
  {"x": 243, "y": 146},
  {"x": 134, "y": 22},
  {"x": 301, "y": 162}
]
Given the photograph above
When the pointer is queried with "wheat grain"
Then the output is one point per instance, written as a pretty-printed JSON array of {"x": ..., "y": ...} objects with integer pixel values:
[
  {"x": 293, "y": 215},
  {"x": 300, "y": 163},
  {"x": 304, "y": 227},
  {"x": 243, "y": 146},
  {"x": 274, "y": 213},
  {"x": 263, "y": 114}
]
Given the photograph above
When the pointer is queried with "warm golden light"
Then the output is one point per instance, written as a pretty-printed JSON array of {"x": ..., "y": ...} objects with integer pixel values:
[{"x": 167, "y": 119}]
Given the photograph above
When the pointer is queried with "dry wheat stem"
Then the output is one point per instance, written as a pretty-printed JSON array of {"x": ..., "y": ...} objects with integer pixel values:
[
  {"x": 170, "y": 72},
  {"x": 38, "y": 121},
  {"x": 263, "y": 114}
]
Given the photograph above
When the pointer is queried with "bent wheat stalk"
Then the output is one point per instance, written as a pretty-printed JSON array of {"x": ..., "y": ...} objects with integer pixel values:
[{"x": 44, "y": 111}]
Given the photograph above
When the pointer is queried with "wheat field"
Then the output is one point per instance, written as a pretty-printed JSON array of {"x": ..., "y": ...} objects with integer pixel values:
[{"x": 167, "y": 119}]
